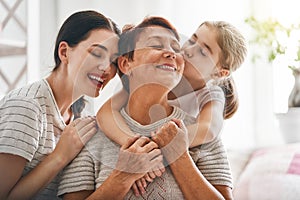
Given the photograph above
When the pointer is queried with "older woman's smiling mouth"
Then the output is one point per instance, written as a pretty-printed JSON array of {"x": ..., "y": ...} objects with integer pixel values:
[{"x": 167, "y": 67}]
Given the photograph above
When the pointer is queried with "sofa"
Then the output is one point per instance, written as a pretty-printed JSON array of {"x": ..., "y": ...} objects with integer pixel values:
[{"x": 270, "y": 173}]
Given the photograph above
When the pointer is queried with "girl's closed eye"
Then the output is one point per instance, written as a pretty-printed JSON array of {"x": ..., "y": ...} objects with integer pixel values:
[
  {"x": 191, "y": 41},
  {"x": 203, "y": 51}
]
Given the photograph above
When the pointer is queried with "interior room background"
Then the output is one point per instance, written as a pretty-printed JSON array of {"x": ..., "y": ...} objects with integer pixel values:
[{"x": 27, "y": 41}]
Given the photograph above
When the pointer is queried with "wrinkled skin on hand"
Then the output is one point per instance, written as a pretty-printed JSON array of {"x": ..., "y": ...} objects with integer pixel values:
[
  {"x": 139, "y": 156},
  {"x": 172, "y": 139}
]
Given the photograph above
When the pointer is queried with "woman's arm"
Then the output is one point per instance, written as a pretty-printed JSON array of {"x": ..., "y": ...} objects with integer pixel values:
[
  {"x": 71, "y": 142},
  {"x": 173, "y": 141},
  {"x": 110, "y": 120},
  {"x": 209, "y": 124},
  {"x": 193, "y": 184}
]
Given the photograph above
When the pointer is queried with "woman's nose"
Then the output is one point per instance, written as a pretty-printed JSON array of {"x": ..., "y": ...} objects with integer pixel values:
[
  {"x": 169, "y": 54},
  {"x": 104, "y": 67}
]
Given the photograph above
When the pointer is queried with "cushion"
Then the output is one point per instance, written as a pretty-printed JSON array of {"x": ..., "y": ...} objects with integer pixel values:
[{"x": 271, "y": 173}]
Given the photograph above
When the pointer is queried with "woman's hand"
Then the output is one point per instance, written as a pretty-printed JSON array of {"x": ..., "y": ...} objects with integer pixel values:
[
  {"x": 74, "y": 137},
  {"x": 172, "y": 139},
  {"x": 137, "y": 157}
]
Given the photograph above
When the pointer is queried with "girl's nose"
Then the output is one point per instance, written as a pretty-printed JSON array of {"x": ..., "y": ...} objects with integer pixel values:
[{"x": 187, "y": 53}]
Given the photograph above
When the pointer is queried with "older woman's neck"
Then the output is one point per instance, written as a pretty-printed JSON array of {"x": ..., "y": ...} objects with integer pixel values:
[{"x": 145, "y": 108}]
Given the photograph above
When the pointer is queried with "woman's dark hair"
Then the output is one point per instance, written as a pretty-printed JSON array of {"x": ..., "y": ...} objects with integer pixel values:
[
  {"x": 130, "y": 35},
  {"x": 75, "y": 29}
]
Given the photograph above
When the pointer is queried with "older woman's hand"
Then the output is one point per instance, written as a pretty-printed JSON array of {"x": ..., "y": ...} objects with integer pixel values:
[
  {"x": 139, "y": 156},
  {"x": 172, "y": 139}
]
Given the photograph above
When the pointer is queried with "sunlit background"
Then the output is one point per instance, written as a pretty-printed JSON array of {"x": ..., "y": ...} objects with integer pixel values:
[{"x": 263, "y": 88}]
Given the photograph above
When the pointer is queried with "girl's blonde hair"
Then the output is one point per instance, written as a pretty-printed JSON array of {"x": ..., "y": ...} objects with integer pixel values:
[{"x": 234, "y": 50}]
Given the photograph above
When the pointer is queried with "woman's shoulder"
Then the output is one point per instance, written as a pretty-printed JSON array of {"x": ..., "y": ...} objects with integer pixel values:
[{"x": 30, "y": 97}]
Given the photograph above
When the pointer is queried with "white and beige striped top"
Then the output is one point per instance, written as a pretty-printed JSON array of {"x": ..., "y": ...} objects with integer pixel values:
[{"x": 30, "y": 126}]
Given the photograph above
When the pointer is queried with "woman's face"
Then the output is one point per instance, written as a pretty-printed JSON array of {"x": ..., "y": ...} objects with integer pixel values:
[
  {"x": 201, "y": 54},
  {"x": 157, "y": 59},
  {"x": 91, "y": 62}
]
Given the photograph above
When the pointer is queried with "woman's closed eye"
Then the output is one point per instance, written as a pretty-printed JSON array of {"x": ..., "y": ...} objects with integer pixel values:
[
  {"x": 157, "y": 46},
  {"x": 96, "y": 52}
]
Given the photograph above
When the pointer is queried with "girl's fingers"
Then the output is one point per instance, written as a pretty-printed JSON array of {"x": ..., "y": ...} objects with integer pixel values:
[
  {"x": 140, "y": 186},
  {"x": 129, "y": 143},
  {"x": 135, "y": 190},
  {"x": 147, "y": 177},
  {"x": 152, "y": 175}
]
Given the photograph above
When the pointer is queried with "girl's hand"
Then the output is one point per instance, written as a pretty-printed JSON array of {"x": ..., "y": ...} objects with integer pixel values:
[
  {"x": 74, "y": 137},
  {"x": 139, "y": 187}
]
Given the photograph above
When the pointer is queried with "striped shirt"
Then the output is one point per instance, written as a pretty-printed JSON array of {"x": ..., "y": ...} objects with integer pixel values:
[
  {"x": 30, "y": 126},
  {"x": 193, "y": 102},
  {"x": 97, "y": 159}
]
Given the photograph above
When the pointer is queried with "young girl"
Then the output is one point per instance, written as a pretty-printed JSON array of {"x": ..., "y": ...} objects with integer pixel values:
[{"x": 212, "y": 53}]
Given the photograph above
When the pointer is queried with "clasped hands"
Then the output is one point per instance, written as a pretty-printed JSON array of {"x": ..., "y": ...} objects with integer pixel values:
[{"x": 144, "y": 156}]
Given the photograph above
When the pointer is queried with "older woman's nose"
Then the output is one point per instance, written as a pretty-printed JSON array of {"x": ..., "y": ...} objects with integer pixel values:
[{"x": 169, "y": 54}]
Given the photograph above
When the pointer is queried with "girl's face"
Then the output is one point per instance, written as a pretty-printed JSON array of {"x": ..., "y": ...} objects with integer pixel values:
[
  {"x": 157, "y": 59},
  {"x": 201, "y": 54},
  {"x": 91, "y": 62}
]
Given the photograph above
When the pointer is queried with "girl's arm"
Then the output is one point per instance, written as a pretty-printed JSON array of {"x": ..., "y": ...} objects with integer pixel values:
[
  {"x": 110, "y": 120},
  {"x": 71, "y": 142},
  {"x": 209, "y": 124}
]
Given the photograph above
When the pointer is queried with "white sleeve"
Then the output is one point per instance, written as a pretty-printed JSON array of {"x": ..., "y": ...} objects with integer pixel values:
[{"x": 20, "y": 126}]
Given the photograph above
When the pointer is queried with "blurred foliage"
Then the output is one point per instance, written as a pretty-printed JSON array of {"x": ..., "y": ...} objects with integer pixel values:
[{"x": 266, "y": 34}]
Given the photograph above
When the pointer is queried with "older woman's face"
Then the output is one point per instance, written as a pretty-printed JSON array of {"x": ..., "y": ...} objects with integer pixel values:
[{"x": 157, "y": 59}]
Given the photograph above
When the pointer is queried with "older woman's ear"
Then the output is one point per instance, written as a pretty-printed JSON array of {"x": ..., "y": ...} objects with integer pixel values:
[{"x": 123, "y": 64}]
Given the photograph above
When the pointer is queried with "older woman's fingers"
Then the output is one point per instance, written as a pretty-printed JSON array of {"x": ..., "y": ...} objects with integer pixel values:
[
  {"x": 142, "y": 141},
  {"x": 129, "y": 143},
  {"x": 150, "y": 146}
]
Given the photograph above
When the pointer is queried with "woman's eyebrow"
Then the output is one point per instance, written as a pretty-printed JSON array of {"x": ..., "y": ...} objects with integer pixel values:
[{"x": 100, "y": 46}]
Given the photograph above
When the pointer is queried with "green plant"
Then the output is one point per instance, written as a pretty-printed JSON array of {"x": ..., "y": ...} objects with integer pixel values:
[
  {"x": 267, "y": 34},
  {"x": 275, "y": 40}
]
